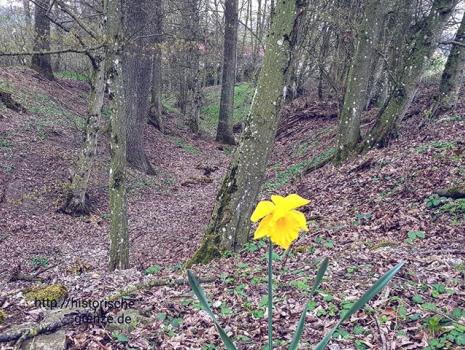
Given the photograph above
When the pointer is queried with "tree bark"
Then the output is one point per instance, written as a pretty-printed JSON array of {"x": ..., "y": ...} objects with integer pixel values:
[
  {"x": 156, "y": 110},
  {"x": 119, "y": 240},
  {"x": 39, "y": 62},
  {"x": 76, "y": 201},
  {"x": 137, "y": 80},
  {"x": 224, "y": 131},
  {"x": 423, "y": 43},
  {"x": 193, "y": 74},
  {"x": 356, "y": 94},
  {"x": 27, "y": 16},
  {"x": 452, "y": 76},
  {"x": 229, "y": 224}
]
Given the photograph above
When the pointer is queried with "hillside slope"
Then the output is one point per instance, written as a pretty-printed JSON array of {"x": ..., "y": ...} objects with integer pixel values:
[{"x": 366, "y": 215}]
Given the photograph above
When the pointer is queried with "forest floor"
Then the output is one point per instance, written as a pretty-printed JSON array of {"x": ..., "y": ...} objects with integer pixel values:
[{"x": 366, "y": 215}]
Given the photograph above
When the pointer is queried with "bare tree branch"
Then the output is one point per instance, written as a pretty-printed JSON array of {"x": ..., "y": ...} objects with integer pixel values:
[{"x": 52, "y": 52}]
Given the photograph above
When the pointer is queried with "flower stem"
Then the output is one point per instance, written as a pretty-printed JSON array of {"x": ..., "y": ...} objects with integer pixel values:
[{"x": 270, "y": 295}]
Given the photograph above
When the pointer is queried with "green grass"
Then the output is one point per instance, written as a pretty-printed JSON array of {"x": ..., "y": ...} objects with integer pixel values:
[
  {"x": 49, "y": 113},
  {"x": 243, "y": 93},
  {"x": 436, "y": 146},
  {"x": 66, "y": 74},
  {"x": 284, "y": 177},
  {"x": 185, "y": 146}
]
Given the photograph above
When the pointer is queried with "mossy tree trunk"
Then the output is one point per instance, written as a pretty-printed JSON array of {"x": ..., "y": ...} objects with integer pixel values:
[
  {"x": 39, "y": 62},
  {"x": 224, "y": 132},
  {"x": 452, "y": 76},
  {"x": 119, "y": 240},
  {"x": 422, "y": 45},
  {"x": 76, "y": 201},
  {"x": 356, "y": 94},
  {"x": 229, "y": 224}
]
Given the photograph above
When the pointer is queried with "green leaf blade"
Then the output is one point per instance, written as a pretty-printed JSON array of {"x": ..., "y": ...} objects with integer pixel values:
[
  {"x": 200, "y": 294},
  {"x": 316, "y": 284},
  {"x": 380, "y": 284}
]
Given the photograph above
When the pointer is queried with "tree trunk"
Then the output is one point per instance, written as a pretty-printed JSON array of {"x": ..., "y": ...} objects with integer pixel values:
[
  {"x": 137, "y": 79},
  {"x": 76, "y": 201},
  {"x": 27, "y": 16},
  {"x": 119, "y": 240},
  {"x": 229, "y": 224},
  {"x": 39, "y": 62},
  {"x": 452, "y": 76},
  {"x": 155, "y": 115},
  {"x": 356, "y": 93},
  {"x": 224, "y": 132},
  {"x": 423, "y": 44},
  {"x": 193, "y": 74}
]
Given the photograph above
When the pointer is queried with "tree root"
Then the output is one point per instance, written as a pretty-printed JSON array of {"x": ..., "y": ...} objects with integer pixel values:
[
  {"x": 10, "y": 103},
  {"x": 24, "y": 334},
  {"x": 457, "y": 192},
  {"x": 74, "y": 207}
]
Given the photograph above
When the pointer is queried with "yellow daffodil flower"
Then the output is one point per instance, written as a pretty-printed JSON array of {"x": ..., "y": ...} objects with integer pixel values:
[{"x": 280, "y": 221}]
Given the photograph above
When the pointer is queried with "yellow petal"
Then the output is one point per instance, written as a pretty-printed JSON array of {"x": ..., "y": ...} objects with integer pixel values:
[
  {"x": 277, "y": 199},
  {"x": 263, "y": 229},
  {"x": 262, "y": 209},
  {"x": 300, "y": 218},
  {"x": 294, "y": 201}
]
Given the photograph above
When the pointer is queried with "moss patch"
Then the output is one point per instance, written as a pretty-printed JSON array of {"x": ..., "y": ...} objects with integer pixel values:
[
  {"x": 52, "y": 292},
  {"x": 3, "y": 316}
]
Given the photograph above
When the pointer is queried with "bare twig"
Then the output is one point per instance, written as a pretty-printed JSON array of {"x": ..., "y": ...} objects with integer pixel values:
[{"x": 52, "y": 52}]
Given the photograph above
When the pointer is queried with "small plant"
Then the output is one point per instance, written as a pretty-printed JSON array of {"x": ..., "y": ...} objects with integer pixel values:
[
  {"x": 412, "y": 236},
  {"x": 152, "y": 270},
  {"x": 362, "y": 218},
  {"x": 455, "y": 207},
  {"x": 435, "y": 201},
  {"x": 5, "y": 143},
  {"x": 39, "y": 261},
  {"x": 281, "y": 223},
  {"x": 119, "y": 337}
]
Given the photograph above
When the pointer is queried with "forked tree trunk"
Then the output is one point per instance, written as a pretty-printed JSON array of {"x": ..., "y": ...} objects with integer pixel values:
[
  {"x": 423, "y": 44},
  {"x": 452, "y": 76},
  {"x": 76, "y": 201},
  {"x": 119, "y": 240},
  {"x": 229, "y": 224},
  {"x": 356, "y": 94},
  {"x": 39, "y": 62},
  {"x": 224, "y": 132}
]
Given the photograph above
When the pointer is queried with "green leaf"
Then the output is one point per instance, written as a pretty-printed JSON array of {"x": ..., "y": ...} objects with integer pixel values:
[
  {"x": 359, "y": 304},
  {"x": 119, "y": 337},
  {"x": 300, "y": 326},
  {"x": 198, "y": 291}
]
